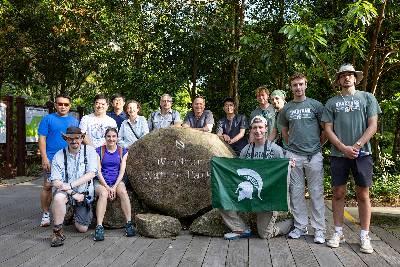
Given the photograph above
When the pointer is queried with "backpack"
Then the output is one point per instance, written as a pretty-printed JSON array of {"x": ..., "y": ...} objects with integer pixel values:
[
  {"x": 103, "y": 151},
  {"x": 267, "y": 147},
  {"x": 89, "y": 187}
]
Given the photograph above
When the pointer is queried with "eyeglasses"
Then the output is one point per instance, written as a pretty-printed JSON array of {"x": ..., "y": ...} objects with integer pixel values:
[
  {"x": 63, "y": 104},
  {"x": 166, "y": 101},
  {"x": 73, "y": 138}
]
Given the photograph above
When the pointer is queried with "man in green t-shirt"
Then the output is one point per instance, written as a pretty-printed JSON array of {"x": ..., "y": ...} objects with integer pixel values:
[
  {"x": 351, "y": 119},
  {"x": 302, "y": 132}
]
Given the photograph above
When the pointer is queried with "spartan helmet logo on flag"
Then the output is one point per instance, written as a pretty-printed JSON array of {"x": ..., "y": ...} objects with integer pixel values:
[{"x": 246, "y": 188}]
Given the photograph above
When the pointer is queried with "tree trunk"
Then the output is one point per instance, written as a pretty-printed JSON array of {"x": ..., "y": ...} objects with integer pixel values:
[
  {"x": 373, "y": 42},
  {"x": 396, "y": 141},
  {"x": 238, "y": 30},
  {"x": 195, "y": 68}
]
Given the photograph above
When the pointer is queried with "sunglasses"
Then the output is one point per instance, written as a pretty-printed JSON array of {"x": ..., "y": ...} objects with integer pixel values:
[{"x": 62, "y": 104}]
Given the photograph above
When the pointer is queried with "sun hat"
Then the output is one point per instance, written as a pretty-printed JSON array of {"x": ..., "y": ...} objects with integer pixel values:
[
  {"x": 348, "y": 68},
  {"x": 73, "y": 132},
  {"x": 279, "y": 93},
  {"x": 257, "y": 119}
]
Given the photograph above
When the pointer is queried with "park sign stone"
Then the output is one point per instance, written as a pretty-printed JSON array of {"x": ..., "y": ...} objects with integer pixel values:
[{"x": 169, "y": 169}]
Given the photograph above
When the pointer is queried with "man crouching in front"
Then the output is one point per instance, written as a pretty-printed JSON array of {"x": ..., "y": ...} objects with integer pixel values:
[{"x": 72, "y": 171}]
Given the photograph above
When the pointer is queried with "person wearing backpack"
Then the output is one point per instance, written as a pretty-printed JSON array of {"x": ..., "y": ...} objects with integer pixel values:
[
  {"x": 133, "y": 128},
  {"x": 166, "y": 116},
  {"x": 260, "y": 148},
  {"x": 111, "y": 164},
  {"x": 72, "y": 171}
]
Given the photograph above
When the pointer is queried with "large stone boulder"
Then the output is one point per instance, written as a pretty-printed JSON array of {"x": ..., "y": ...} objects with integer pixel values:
[
  {"x": 157, "y": 226},
  {"x": 114, "y": 217},
  {"x": 169, "y": 170}
]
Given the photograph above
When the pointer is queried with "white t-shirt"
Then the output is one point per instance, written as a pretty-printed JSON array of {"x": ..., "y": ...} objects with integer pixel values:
[{"x": 95, "y": 127}]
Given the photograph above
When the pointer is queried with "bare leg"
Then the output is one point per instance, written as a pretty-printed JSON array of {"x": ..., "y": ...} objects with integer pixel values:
[
  {"x": 364, "y": 206},
  {"x": 101, "y": 207},
  {"x": 125, "y": 202},
  {"x": 339, "y": 193},
  {"x": 59, "y": 208},
  {"x": 45, "y": 196}
]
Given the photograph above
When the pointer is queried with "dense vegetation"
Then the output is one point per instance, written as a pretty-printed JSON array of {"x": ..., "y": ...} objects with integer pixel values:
[{"x": 217, "y": 48}]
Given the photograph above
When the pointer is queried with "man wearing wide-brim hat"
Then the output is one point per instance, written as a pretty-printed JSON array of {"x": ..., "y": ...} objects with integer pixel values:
[
  {"x": 351, "y": 119},
  {"x": 72, "y": 171}
]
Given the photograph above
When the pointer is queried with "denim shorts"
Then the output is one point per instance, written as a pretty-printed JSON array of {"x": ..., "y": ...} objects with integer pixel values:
[{"x": 361, "y": 168}]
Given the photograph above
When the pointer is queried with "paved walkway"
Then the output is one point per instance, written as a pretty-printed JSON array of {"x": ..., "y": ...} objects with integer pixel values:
[{"x": 23, "y": 243}]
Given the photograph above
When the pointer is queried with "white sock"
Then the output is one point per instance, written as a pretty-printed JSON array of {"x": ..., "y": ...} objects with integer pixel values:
[
  {"x": 364, "y": 233},
  {"x": 339, "y": 229}
]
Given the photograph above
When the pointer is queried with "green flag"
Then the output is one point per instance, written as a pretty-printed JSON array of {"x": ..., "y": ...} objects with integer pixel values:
[{"x": 250, "y": 185}]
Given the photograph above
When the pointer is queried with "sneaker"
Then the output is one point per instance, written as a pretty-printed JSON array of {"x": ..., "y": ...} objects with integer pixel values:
[
  {"x": 57, "y": 238},
  {"x": 45, "y": 220},
  {"x": 296, "y": 233},
  {"x": 235, "y": 236},
  {"x": 366, "y": 245},
  {"x": 129, "y": 229},
  {"x": 99, "y": 233},
  {"x": 335, "y": 240},
  {"x": 319, "y": 237}
]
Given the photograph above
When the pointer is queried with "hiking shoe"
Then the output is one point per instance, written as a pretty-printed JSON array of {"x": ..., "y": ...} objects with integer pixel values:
[
  {"x": 335, "y": 240},
  {"x": 296, "y": 233},
  {"x": 57, "y": 238},
  {"x": 235, "y": 236},
  {"x": 99, "y": 233},
  {"x": 366, "y": 245},
  {"x": 129, "y": 230},
  {"x": 45, "y": 220},
  {"x": 319, "y": 236}
]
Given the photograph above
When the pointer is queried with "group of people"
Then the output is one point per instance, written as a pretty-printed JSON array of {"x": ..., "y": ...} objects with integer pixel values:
[
  {"x": 301, "y": 127},
  {"x": 296, "y": 130}
]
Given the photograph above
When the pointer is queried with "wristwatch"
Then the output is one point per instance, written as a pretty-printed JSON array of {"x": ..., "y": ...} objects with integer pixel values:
[{"x": 358, "y": 143}]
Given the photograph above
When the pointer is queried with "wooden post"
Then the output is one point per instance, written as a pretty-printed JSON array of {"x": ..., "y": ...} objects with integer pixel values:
[
  {"x": 9, "y": 145},
  {"x": 21, "y": 136}
]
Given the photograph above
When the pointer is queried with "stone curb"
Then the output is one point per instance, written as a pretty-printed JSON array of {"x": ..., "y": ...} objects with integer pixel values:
[{"x": 17, "y": 180}]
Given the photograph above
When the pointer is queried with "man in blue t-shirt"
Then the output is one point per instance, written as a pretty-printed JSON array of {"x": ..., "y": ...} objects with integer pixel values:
[{"x": 50, "y": 141}]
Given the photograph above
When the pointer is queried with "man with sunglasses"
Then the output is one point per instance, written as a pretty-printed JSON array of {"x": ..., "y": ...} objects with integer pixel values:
[
  {"x": 199, "y": 119},
  {"x": 50, "y": 141},
  {"x": 166, "y": 116}
]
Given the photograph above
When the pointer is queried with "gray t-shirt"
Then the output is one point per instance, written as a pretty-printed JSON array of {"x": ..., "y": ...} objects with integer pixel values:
[
  {"x": 303, "y": 120},
  {"x": 268, "y": 151},
  {"x": 205, "y": 118},
  {"x": 268, "y": 114},
  {"x": 349, "y": 116}
]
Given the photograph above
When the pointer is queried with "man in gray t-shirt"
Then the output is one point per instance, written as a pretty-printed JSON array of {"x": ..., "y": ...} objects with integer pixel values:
[
  {"x": 351, "y": 119},
  {"x": 260, "y": 149},
  {"x": 199, "y": 119},
  {"x": 302, "y": 132}
]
